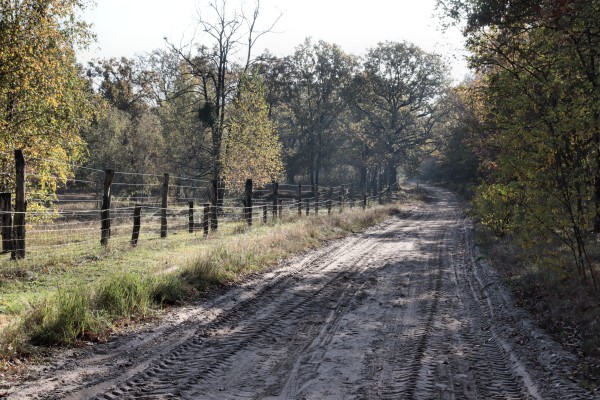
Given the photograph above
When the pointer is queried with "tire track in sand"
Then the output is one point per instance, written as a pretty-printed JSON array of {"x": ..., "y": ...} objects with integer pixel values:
[{"x": 404, "y": 310}]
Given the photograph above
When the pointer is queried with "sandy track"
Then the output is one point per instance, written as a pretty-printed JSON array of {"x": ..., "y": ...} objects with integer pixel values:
[{"x": 405, "y": 310}]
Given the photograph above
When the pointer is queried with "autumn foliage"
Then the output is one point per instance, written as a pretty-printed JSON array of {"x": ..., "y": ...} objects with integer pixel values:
[
  {"x": 537, "y": 102},
  {"x": 252, "y": 149},
  {"x": 44, "y": 101}
]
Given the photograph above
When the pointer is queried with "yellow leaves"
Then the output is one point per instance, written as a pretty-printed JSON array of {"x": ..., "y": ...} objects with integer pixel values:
[
  {"x": 42, "y": 101},
  {"x": 251, "y": 147}
]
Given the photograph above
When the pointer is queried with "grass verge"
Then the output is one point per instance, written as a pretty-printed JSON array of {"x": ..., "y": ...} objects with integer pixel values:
[{"x": 134, "y": 286}]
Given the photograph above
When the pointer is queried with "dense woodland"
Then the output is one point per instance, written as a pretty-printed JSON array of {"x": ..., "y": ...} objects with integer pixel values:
[
  {"x": 522, "y": 136},
  {"x": 316, "y": 116},
  {"x": 531, "y": 124}
]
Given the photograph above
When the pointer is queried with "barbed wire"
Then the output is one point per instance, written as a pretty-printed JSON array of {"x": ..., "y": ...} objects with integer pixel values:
[
  {"x": 136, "y": 174},
  {"x": 90, "y": 243},
  {"x": 64, "y": 163},
  {"x": 72, "y": 221}
]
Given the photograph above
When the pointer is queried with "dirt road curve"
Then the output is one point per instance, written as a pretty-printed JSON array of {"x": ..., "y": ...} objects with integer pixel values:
[{"x": 402, "y": 311}]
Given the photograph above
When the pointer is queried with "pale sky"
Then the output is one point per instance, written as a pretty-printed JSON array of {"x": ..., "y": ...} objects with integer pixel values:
[{"x": 130, "y": 27}]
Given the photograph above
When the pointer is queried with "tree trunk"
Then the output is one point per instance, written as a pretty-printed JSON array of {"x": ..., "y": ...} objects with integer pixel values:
[
  {"x": 217, "y": 164},
  {"x": 392, "y": 174},
  {"x": 374, "y": 179},
  {"x": 363, "y": 177},
  {"x": 318, "y": 156},
  {"x": 311, "y": 169},
  {"x": 597, "y": 172}
]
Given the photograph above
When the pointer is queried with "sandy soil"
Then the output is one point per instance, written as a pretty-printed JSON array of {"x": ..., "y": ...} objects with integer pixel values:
[{"x": 405, "y": 310}]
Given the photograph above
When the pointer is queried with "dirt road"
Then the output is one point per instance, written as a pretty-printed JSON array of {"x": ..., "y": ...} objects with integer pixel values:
[{"x": 405, "y": 310}]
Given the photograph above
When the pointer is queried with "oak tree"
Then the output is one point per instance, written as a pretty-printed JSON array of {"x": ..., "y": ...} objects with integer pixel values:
[{"x": 397, "y": 94}]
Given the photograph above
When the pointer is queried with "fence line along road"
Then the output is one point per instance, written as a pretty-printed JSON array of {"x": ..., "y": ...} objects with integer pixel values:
[{"x": 136, "y": 206}]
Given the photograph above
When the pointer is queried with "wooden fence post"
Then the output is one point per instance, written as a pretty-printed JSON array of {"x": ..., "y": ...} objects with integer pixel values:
[
  {"x": 299, "y": 200},
  {"x": 307, "y": 201},
  {"x": 364, "y": 201},
  {"x": 98, "y": 198},
  {"x": 20, "y": 207},
  {"x": 342, "y": 198},
  {"x": 248, "y": 203},
  {"x": 214, "y": 223},
  {"x": 137, "y": 217},
  {"x": 163, "y": 208},
  {"x": 191, "y": 217},
  {"x": 329, "y": 201},
  {"x": 280, "y": 208},
  {"x": 352, "y": 198},
  {"x": 316, "y": 191},
  {"x": 105, "y": 213},
  {"x": 6, "y": 209},
  {"x": 375, "y": 186},
  {"x": 220, "y": 195},
  {"x": 265, "y": 212},
  {"x": 205, "y": 218},
  {"x": 275, "y": 199}
]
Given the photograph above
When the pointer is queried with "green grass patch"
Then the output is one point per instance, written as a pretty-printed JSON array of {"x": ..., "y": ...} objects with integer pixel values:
[
  {"x": 62, "y": 318},
  {"x": 124, "y": 295},
  {"x": 74, "y": 297}
]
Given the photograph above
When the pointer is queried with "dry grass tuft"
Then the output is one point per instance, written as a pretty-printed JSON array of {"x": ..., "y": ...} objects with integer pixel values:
[{"x": 129, "y": 287}]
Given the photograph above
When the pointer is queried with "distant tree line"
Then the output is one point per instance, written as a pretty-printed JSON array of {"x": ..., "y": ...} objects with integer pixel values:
[
  {"x": 330, "y": 116},
  {"x": 213, "y": 108}
]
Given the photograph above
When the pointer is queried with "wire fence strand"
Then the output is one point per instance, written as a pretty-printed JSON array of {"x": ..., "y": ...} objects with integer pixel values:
[{"x": 76, "y": 217}]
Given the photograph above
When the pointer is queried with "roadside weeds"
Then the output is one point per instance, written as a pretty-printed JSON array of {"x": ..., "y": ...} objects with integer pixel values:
[{"x": 85, "y": 312}]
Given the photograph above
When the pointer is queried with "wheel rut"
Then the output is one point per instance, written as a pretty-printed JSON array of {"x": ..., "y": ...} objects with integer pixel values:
[{"x": 404, "y": 310}]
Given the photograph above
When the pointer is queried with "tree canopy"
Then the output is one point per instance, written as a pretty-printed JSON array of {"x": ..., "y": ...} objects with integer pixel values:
[
  {"x": 44, "y": 101},
  {"x": 251, "y": 148},
  {"x": 397, "y": 95},
  {"x": 213, "y": 109},
  {"x": 539, "y": 102}
]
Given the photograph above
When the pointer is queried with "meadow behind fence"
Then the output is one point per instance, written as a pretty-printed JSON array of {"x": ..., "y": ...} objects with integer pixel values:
[{"x": 110, "y": 208}]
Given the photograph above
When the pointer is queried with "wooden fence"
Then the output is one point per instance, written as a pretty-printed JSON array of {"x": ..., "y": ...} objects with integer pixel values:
[{"x": 201, "y": 214}]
